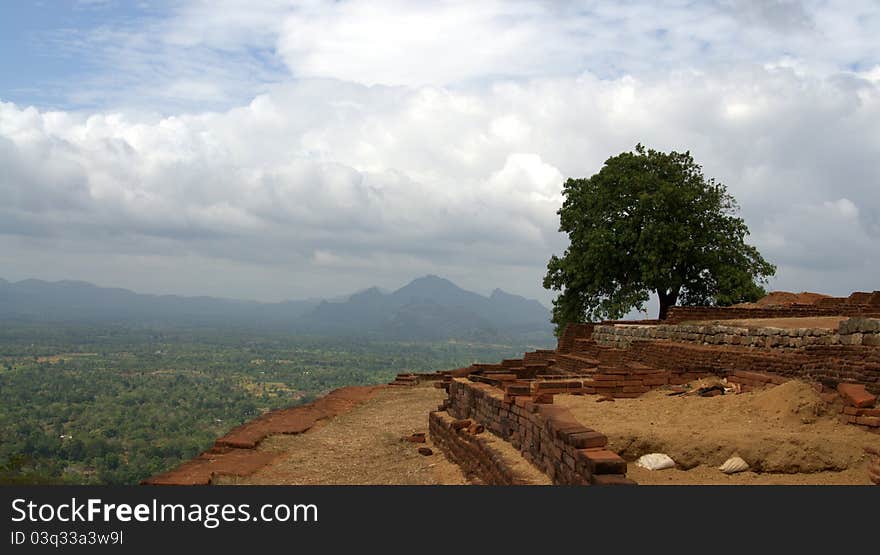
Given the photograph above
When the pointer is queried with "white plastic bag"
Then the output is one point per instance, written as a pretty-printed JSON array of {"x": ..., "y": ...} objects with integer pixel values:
[
  {"x": 655, "y": 461},
  {"x": 733, "y": 465}
]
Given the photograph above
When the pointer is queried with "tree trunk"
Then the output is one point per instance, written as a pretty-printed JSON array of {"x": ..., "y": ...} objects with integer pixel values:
[{"x": 667, "y": 299}]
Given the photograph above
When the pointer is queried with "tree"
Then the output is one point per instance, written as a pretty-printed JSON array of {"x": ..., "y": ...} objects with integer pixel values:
[{"x": 650, "y": 221}]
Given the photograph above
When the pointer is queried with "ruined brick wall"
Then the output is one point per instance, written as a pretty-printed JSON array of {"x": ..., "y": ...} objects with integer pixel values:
[
  {"x": 833, "y": 364},
  {"x": 766, "y": 338},
  {"x": 547, "y": 436},
  {"x": 827, "y": 356},
  {"x": 695, "y": 359},
  {"x": 571, "y": 333},
  {"x": 473, "y": 452}
]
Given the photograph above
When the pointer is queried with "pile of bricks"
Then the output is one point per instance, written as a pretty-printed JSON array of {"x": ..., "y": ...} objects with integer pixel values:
[
  {"x": 860, "y": 406},
  {"x": 546, "y": 435}
]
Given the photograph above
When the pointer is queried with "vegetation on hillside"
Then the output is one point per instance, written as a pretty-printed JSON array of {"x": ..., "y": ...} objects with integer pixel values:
[{"x": 113, "y": 405}]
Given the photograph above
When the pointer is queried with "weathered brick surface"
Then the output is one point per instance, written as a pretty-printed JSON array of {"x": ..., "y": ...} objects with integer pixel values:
[
  {"x": 856, "y": 395},
  {"x": 546, "y": 435},
  {"x": 473, "y": 452},
  {"x": 626, "y": 359}
]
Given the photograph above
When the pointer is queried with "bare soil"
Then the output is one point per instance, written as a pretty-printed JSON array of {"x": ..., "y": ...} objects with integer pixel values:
[
  {"x": 235, "y": 454},
  {"x": 360, "y": 447},
  {"x": 710, "y": 476},
  {"x": 786, "y": 433}
]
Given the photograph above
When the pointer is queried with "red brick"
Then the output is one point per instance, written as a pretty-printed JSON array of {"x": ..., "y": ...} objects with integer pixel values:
[
  {"x": 554, "y": 390},
  {"x": 600, "y": 386},
  {"x": 564, "y": 429},
  {"x": 602, "y": 461},
  {"x": 873, "y": 421},
  {"x": 586, "y": 440},
  {"x": 856, "y": 395},
  {"x": 515, "y": 390}
]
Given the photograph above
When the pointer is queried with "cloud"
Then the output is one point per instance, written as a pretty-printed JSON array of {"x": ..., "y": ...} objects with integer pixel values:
[
  {"x": 335, "y": 174},
  {"x": 376, "y": 143},
  {"x": 197, "y": 56}
]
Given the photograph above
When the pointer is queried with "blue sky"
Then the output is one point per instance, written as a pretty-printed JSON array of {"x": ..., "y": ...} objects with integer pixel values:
[
  {"x": 291, "y": 149},
  {"x": 38, "y": 67}
]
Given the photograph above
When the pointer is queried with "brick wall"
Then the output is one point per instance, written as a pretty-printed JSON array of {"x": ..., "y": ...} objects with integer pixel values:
[
  {"x": 716, "y": 360},
  {"x": 546, "y": 435},
  {"x": 474, "y": 452},
  {"x": 834, "y": 364},
  {"x": 571, "y": 333},
  {"x": 769, "y": 338}
]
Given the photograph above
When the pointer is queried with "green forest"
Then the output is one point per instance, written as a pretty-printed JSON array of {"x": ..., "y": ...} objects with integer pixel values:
[{"x": 113, "y": 405}]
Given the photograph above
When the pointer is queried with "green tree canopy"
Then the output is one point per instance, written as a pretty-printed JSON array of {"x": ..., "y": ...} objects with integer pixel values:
[{"x": 650, "y": 221}]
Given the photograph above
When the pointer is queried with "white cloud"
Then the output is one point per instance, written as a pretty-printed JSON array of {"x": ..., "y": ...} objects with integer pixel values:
[{"x": 435, "y": 138}]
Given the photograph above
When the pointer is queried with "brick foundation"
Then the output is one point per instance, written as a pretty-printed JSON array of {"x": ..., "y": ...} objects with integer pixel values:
[
  {"x": 547, "y": 436},
  {"x": 476, "y": 453}
]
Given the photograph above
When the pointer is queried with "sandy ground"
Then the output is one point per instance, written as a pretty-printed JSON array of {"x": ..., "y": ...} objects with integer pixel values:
[
  {"x": 826, "y": 322},
  {"x": 786, "y": 433},
  {"x": 711, "y": 476},
  {"x": 362, "y": 446}
]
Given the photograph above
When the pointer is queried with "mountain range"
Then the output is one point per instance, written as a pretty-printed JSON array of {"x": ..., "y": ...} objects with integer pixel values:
[{"x": 427, "y": 308}]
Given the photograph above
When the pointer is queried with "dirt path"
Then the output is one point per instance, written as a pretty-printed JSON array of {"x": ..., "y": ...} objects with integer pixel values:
[
  {"x": 235, "y": 453},
  {"x": 786, "y": 433},
  {"x": 362, "y": 446}
]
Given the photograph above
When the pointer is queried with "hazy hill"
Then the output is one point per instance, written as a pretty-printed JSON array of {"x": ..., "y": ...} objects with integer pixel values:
[
  {"x": 428, "y": 308},
  {"x": 432, "y": 307},
  {"x": 77, "y": 301}
]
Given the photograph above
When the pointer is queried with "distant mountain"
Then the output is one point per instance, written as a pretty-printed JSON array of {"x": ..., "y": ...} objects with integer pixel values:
[
  {"x": 428, "y": 308},
  {"x": 78, "y": 301},
  {"x": 432, "y": 307}
]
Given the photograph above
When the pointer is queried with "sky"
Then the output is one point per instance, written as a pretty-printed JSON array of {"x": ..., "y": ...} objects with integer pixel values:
[{"x": 277, "y": 150}]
